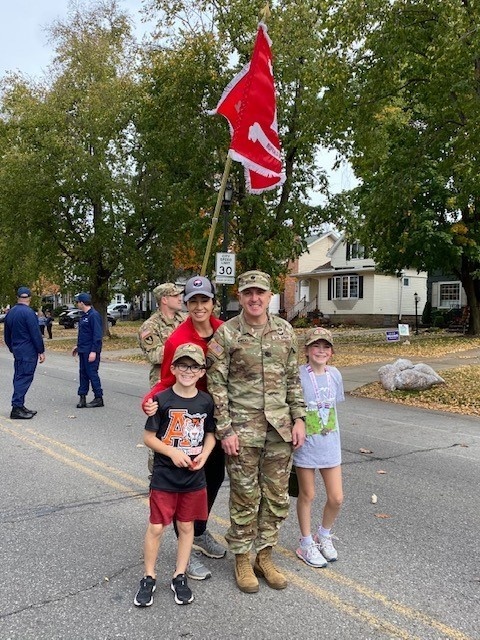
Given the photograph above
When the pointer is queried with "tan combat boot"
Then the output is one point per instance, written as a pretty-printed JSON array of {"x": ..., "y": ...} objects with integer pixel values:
[
  {"x": 246, "y": 579},
  {"x": 264, "y": 567}
]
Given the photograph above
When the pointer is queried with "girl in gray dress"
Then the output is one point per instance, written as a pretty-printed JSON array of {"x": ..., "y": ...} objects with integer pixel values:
[{"x": 322, "y": 388}]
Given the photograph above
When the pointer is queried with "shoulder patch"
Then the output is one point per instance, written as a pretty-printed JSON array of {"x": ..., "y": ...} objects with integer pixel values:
[
  {"x": 215, "y": 349},
  {"x": 145, "y": 334}
]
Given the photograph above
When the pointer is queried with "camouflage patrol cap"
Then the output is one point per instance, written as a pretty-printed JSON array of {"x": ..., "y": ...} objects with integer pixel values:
[
  {"x": 189, "y": 350},
  {"x": 166, "y": 289},
  {"x": 318, "y": 333},
  {"x": 257, "y": 279}
]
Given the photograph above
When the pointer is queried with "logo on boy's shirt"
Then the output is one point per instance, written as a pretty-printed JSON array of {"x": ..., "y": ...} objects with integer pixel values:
[{"x": 185, "y": 430}]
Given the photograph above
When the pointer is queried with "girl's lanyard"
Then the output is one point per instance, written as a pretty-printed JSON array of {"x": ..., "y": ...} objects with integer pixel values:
[{"x": 323, "y": 405}]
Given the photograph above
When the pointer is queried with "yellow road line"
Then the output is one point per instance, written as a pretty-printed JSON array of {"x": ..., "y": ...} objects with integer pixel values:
[
  {"x": 76, "y": 465},
  {"x": 334, "y": 576},
  {"x": 408, "y": 612},
  {"x": 305, "y": 585},
  {"x": 350, "y": 609},
  {"x": 94, "y": 461}
]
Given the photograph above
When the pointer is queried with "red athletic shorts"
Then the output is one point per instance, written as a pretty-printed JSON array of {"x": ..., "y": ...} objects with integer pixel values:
[{"x": 166, "y": 506}]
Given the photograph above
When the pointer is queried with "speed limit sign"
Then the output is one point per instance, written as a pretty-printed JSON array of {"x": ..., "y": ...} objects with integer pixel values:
[{"x": 225, "y": 268}]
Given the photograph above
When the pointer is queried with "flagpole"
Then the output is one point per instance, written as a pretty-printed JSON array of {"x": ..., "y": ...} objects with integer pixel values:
[
  {"x": 265, "y": 13},
  {"x": 216, "y": 213}
]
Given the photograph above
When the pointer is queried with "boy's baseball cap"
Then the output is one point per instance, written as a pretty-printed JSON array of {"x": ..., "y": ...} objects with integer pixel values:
[
  {"x": 24, "y": 292},
  {"x": 198, "y": 285},
  {"x": 257, "y": 279},
  {"x": 189, "y": 350},
  {"x": 318, "y": 333},
  {"x": 166, "y": 289},
  {"x": 86, "y": 298}
]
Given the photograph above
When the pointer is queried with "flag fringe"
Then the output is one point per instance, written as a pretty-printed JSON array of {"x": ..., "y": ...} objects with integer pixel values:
[
  {"x": 228, "y": 88},
  {"x": 253, "y": 166}
]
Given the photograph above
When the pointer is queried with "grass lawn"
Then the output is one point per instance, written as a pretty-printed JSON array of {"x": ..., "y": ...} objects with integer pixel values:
[
  {"x": 122, "y": 336},
  {"x": 460, "y": 393}
]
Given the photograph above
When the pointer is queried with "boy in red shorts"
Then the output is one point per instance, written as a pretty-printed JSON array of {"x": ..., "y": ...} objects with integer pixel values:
[{"x": 181, "y": 433}]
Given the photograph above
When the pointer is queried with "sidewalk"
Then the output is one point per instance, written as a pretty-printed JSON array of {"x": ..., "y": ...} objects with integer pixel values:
[{"x": 357, "y": 376}]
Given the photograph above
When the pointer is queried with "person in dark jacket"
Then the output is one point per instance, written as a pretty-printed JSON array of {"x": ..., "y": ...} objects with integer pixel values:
[
  {"x": 48, "y": 323},
  {"x": 23, "y": 338},
  {"x": 88, "y": 349}
]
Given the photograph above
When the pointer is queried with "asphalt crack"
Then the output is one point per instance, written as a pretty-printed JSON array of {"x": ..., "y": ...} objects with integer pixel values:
[
  {"x": 370, "y": 457},
  {"x": 42, "y": 511},
  {"x": 66, "y": 596}
]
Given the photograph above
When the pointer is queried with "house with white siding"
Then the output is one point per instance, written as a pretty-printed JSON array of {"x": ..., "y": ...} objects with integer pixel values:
[{"x": 339, "y": 280}]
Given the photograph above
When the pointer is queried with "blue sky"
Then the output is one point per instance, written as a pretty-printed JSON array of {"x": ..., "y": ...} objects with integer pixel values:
[
  {"x": 24, "y": 47},
  {"x": 23, "y": 42}
]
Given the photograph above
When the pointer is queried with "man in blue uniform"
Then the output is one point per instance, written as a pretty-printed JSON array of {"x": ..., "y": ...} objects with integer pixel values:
[
  {"x": 88, "y": 349},
  {"x": 23, "y": 338}
]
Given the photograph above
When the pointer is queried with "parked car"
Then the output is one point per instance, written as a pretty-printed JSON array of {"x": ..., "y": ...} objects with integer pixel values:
[
  {"x": 64, "y": 314},
  {"x": 118, "y": 310},
  {"x": 70, "y": 319},
  {"x": 64, "y": 309}
]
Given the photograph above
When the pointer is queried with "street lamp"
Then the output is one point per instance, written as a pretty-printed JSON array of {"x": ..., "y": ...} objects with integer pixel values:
[
  {"x": 416, "y": 297},
  {"x": 227, "y": 202}
]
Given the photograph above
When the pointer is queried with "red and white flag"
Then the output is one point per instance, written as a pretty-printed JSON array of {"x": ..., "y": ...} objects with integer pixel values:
[{"x": 249, "y": 105}]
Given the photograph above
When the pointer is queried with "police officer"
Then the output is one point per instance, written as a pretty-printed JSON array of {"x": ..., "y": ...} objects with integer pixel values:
[
  {"x": 88, "y": 349},
  {"x": 23, "y": 338},
  {"x": 253, "y": 378},
  {"x": 154, "y": 332}
]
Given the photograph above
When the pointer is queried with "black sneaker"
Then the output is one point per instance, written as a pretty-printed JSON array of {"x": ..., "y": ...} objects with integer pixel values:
[
  {"x": 179, "y": 586},
  {"x": 144, "y": 597}
]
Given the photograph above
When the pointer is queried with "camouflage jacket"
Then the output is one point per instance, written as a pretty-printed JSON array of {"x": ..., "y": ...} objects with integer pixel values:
[
  {"x": 251, "y": 376},
  {"x": 152, "y": 336}
]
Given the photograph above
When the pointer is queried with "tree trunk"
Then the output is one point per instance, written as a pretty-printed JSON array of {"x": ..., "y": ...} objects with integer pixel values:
[
  {"x": 473, "y": 302},
  {"x": 99, "y": 285}
]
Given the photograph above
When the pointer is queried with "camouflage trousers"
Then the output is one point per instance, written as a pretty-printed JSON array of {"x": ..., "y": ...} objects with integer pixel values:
[
  {"x": 154, "y": 375},
  {"x": 259, "y": 499}
]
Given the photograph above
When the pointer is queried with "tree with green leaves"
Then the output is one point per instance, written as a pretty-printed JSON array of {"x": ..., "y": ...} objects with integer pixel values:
[
  {"x": 71, "y": 196},
  {"x": 406, "y": 115},
  {"x": 113, "y": 167},
  {"x": 199, "y": 49}
]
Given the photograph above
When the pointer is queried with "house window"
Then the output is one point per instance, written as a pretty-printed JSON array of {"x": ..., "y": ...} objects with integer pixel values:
[
  {"x": 356, "y": 251},
  {"x": 449, "y": 295},
  {"x": 406, "y": 282},
  {"x": 345, "y": 287}
]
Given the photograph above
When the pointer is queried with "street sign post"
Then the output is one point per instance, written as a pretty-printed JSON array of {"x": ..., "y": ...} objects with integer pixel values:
[{"x": 225, "y": 268}]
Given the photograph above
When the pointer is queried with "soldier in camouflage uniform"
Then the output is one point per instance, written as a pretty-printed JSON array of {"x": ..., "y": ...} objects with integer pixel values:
[
  {"x": 259, "y": 408},
  {"x": 154, "y": 332}
]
